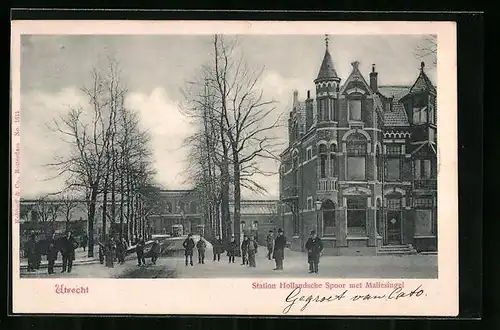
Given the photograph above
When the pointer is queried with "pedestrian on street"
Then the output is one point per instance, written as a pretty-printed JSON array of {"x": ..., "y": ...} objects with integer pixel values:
[
  {"x": 314, "y": 246},
  {"x": 83, "y": 242},
  {"x": 201, "y": 246},
  {"x": 188, "y": 245},
  {"x": 252, "y": 251},
  {"x": 244, "y": 250},
  {"x": 218, "y": 248},
  {"x": 270, "y": 241},
  {"x": 120, "y": 251},
  {"x": 110, "y": 252},
  {"x": 68, "y": 246},
  {"x": 279, "y": 250},
  {"x": 52, "y": 253},
  {"x": 155, "y": 251},
  {"x": 231, "y": 249},
  {"x": 139, "y": 250},
  {"x": 32, "y": 251}
]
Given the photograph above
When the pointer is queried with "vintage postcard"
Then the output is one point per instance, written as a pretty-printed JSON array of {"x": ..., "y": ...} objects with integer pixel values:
[{"x": 246, "y": 168}]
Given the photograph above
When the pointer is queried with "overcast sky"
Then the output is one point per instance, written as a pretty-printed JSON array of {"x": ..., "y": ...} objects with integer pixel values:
[{"x": 155, "y": 68}]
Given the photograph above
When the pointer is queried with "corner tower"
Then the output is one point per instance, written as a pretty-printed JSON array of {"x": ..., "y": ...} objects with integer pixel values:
[{"x": 327, "y": 87}]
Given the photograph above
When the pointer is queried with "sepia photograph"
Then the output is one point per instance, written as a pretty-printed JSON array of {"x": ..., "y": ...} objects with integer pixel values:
[{"x": 266, "y": 157}]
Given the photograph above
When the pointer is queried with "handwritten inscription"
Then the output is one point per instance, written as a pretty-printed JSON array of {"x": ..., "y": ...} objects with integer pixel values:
[
  {"x": 303, "y": 301},
  {"x": 62, "y": 289}
]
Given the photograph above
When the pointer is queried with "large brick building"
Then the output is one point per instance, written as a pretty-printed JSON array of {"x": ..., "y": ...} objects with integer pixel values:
[{"x": 360, "y": 166}]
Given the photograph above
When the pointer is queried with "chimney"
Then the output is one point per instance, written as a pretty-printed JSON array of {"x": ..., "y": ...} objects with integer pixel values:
[
  {"x": 295, "y": 97},
  {"x": 308, "y": 95},
  {"x": 373, "y": 79}
]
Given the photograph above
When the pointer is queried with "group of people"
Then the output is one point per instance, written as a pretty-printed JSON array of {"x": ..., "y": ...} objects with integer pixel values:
[
  {"x": 116, "y": 250},
  {"x": 249, "y": 248},
  {"x": 65, "y": 245}
]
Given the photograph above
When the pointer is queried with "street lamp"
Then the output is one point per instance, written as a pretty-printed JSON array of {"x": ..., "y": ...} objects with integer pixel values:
[{"x": 318, "y": 208}]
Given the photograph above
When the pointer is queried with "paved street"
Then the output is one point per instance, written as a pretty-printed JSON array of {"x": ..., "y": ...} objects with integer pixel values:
[{"x": 295, "y": 265}]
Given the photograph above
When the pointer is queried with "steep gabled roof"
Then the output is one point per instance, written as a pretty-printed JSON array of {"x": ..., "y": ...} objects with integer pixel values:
[
  {"x": 396, "y": 117},
  {"x": 327, "y": 71},
  {"x": 423, "y": 83},
  {"x": 355, "y": 76}
]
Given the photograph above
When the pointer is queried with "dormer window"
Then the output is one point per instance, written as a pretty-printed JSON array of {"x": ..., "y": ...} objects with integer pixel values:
[
  {"x": 354, "y": 107},
  {"x": 420, "y": 115}
]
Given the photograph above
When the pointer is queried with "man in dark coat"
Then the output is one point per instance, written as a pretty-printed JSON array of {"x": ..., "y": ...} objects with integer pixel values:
[
  {"x": 83, "y": 242},
  {"x": 244, "y": 250},
  {"x": 155, "y": 251},
  {"x": 269, "y": 243},
  {"x": 314, "y": 246},
  {"x": 139, "y": 250},
  {"x": 252, "y": 251},
  {"x": 31, "y": 252},
  {"x": 68, "y": 246},
  {"x": 201, "y": 246},
  {"x": 218, "y": 248},
  {"x": 110, "y": 252},
  {"x": 188, "y": 245},
  {"x": 52, "y": 252},
  {"x": 232, "y": 247},
  {"x": 279, "y": 250}
]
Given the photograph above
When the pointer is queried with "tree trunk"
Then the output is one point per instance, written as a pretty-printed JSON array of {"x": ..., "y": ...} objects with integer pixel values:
[
  {"x": 91, "y": 217},
  {"x": 122, "y": 203},
  {"x": 113, "y": 190},
  {"x": 237, "y": 197}
]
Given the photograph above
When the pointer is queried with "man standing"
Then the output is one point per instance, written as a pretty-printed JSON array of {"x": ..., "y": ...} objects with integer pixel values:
[
  {"x": 32, "y": 251},
  {"x": 244, "y": 250},
  {"x": 52, "y": 253},
  {"x": 188, "y": 245},
  {"x": 231, "y": 249},
  {"x": 218, "y": 248},
  {"x": 201, "y": 246},
  {"x": 314, "y": 246},
  {"x": 279, "y": 250},
  {"x": 83, "y": 242},
  {"x": 69, "y": 244},
  {"x": 252, "y": 250},
  {"x": 139, "y": 249},
  {"x": 269, "y": 241},
  {"x": 155, "y": 251}
]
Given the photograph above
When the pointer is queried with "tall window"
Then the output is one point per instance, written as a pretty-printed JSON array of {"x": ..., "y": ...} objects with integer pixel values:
[
  {"x": 380, "y": 165},
  {"x": 354, "y": 110},
  {"x": 309, "y": 153},
  {"x": 193, "y": 207},
  {"x": 356, "y": 157},
  {"x": 424, "y": 208},
  {"x": 333, "y": 161},
  {"x": 432, "y": 113},
  {"x": 296, "y": 169},
  {"x": 356, "y": 215},
  {"x": 331, "y": 107},
  {"x": 322, "y": 160},
  {"x": 422, "y": 169},
  {"x": 321, "y": 110},
  {"x": 168, "y": 207},
  {"x": 393, "y": 162},
  {"x": 296, "y": 225},
  {"x": 181, "y": 207},
  {"x": 328, "y": 209}
]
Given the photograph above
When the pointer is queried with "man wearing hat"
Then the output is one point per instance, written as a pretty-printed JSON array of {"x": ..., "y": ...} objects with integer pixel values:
[
  {"x": 188, "y": 245},
  {"x": 270, "y": 241},
  {"x": 314, "y": 246},
  {"x": 279, "y": 250}
]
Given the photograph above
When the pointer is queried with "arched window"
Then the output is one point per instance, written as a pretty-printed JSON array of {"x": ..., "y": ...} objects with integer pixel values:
[
  {"x": 295, "y": 168},
  {"x": 328, "y": 208},
  {"x": 322, "y": 160},
  {"x": 356, "y": 157},
  {"x": 333, "y": 161}
]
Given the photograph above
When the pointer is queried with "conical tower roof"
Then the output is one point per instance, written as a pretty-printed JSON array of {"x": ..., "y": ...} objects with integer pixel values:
[{"x": 327, "y": 71}]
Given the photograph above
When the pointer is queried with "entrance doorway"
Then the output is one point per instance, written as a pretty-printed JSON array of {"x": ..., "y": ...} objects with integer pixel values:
[{"x": 393, "y": 228}]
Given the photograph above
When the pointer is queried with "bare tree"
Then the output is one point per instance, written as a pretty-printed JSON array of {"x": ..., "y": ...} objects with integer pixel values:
[
  {"x": 88, "y": 131},
  {"x": 427, "y": 50},
  {"x": 69, "y": 206}
]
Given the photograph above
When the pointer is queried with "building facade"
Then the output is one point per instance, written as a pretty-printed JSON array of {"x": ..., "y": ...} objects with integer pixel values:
[{"x": 360, "y": 166}]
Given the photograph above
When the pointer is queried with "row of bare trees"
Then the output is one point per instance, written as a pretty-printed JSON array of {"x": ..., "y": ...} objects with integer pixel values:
[
  {"x": 109, "y": 162},
  {"x": 236, "y": 130}
]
